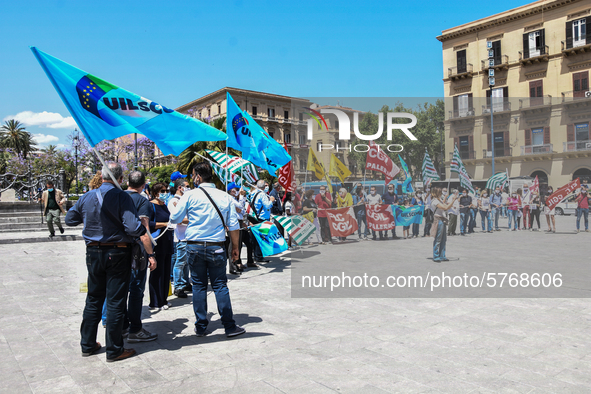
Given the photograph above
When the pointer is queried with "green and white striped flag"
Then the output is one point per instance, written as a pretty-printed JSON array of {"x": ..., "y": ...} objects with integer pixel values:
[
  {"x": 497, "y": 180},
  {"x": 302, "y": 229},
  {"x": 429, "y": 171},
  {"x": 284, "y": 221},
  {"x": 457, "y": 165},
  {"x": 235, "y": 164}
]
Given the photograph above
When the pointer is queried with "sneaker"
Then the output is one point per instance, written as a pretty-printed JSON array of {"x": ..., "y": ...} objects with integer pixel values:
[
  {"x": 237, "y": 331},
  {"x": 165, "y": 307},
  {"x": 154, "y": 308},
  {"x": 125, "y": 333},
  {"x": 180, "y": 293},
  {"x": 142, "y": 335}
]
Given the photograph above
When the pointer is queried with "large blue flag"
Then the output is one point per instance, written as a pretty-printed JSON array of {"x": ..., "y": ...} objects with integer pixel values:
[
  {"x": 405, "y": 216},
  {"x": 104, "y": 111},
  {"x": 256, "y": 145},
  {"x": 407, "y": 184},
  {"x": 269, "y": 239}
]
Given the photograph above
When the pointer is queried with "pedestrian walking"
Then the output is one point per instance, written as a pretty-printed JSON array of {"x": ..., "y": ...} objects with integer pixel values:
[{"x": 53, "y": 205}]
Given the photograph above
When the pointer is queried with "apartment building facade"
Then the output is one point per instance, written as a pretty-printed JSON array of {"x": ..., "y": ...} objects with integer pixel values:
[{"x": 540, "y": 103}]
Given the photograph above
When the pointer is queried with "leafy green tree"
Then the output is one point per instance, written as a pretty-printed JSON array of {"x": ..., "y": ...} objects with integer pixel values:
[{"x": 14, "y": 136}]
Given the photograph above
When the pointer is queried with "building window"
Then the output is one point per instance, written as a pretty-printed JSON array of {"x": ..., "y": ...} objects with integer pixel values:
[
  {"x": 219, "y": 109},
  {"x": 580, "y": 83},
  {"x": 271, "y": 112},
  {"x": 461, "y": 61},
  {"x": 464, "y": 147},
  {"x": 254, "y": 110},
  {"x": 302, "y": 139},
  {"x": 287, "y": 138},
  {"x": 285, "y": 114},
  {"x": 581, "y": 132},
  {"x": 209, "y": 112},
  {"x": 499, "y": 144},
  {"x": 271, "y": 134},
  {"x": 302, "y": 164},
  {"x": 301, "y": 116},
  {"x": 336, "y": 124},
  {"x": 537, "y": 136},
  {"x": 579, "y": 30},
  {"x": 500, "y": 99},
  {"x": 496, "y": 47},
  {"x": 534, "y": 44}
]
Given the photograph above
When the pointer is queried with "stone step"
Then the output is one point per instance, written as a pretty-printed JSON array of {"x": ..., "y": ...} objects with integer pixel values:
[
  {"x": 21, "y": 219},
  {"x": 41, "y": 227},
  {"x": 19, "y": 214}
]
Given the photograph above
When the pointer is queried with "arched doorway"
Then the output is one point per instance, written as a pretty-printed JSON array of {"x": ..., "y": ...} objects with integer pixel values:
[
  {"x": 584, "y": 174},
  {"x": 542, "y": 179}
]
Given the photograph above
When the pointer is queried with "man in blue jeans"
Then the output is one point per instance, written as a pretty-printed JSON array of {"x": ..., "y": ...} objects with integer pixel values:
[
  {"x": 180, "y": 269},
  {"x": 582, "y": 200},
  {"x": 210, "y": 212},
  {"x": 496, "y": 203}
]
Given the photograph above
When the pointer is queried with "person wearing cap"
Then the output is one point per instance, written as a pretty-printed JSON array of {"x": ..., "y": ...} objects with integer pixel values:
[{"x": 235, "y": 266}]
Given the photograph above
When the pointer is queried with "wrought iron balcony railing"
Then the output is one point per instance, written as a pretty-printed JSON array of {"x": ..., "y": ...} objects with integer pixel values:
[{"x": 536, "y": 149}]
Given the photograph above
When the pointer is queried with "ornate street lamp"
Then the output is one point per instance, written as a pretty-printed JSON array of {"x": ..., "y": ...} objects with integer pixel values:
[{"x": 76, "y": 144}]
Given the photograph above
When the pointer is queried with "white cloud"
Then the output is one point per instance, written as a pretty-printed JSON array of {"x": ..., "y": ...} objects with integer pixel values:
[
  {"x": 43, "y": 139},
  {"x": 50, "y": 120}
]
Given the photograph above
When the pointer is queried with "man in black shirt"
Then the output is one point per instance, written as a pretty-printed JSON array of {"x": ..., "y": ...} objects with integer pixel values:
[{"x": 110, "y": 225}]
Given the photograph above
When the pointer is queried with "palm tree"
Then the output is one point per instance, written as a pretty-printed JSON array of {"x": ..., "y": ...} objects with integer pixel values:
[
  {"x": 50, "y": 150},
  {"x": 14, "y": 136},
  {"x": 190, "y": 156}
]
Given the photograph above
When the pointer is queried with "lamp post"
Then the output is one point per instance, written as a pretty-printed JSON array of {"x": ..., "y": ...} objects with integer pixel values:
[
  {"x": 442, "y": 160},
  {"x": 491, "y": 84},
  {"x": 76, "y": 143},
  {"x": 135, "y": 140}
]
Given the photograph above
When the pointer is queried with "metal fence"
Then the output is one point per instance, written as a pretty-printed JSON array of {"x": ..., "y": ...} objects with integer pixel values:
[{"x": 29, "y": 187}]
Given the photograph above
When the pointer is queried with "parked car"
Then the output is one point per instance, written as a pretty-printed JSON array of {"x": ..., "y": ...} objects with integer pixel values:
[{"x": 567, "y": 207}]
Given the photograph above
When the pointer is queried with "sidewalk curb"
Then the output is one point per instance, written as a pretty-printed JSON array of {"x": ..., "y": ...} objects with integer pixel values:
[{"x": 57, "y": 238}]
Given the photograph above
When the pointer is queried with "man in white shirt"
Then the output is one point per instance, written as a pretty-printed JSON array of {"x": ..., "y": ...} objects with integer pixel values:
[
  {"x": 210, "y": 213},
  {"x": 180, "y": 268}
]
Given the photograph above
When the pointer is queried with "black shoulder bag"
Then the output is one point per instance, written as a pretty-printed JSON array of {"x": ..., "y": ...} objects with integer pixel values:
[{"x": 219, "y": 213}]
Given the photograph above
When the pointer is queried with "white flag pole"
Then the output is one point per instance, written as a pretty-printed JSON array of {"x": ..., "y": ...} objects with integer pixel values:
[{"x": 106, "y": 167}]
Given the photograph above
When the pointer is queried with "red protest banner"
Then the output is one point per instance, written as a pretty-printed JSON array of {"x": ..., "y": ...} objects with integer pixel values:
[
  {"x": 342, "y": 221},
  {"x": 286, "y": 178},
  {"x": 379, "y": 217},
  {"x": 562, "y": 193},
  {"x": 377, "y": 160}
]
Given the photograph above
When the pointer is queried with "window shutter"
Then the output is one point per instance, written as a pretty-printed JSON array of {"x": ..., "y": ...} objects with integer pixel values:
[
  {"x": 526, "y": 46},
  {"x": 488, "y": 143},
  {"x": 470, "y": 102},
  {"x": 569, "y": 35},
  {"x": 455, "y": 105},
  {"x": 461, "y": 56},
  {"x": 542, "y": 42},
  {"x": 471, "y": 146},
  {"x": 588, "y": 26},
  {"x": 496, "y": 46},
  {"x": 546, "y": 135},
  {"x": 505, "y": 93},
  {"x": 527, "y": 137},
  {"x": 506, "y": 142},
  {"x": 570, "y": 132},
  {"x": 488, "y": 93}
]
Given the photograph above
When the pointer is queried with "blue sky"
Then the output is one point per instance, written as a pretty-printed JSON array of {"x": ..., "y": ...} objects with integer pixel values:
[{"x": 174, "y": 52}]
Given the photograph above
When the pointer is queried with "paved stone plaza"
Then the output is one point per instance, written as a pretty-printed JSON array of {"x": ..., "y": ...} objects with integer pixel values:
[{"x": 299, "y": 345}]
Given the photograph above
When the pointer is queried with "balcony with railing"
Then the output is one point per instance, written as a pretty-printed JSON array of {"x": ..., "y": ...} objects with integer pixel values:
[
  {"x": 576, "y": 95},
  {"x": 542, "y": 54},
  {"x": 503, "y": 63},
  {"x": 460, "y": 72},
  {"x": 499, "y": 152},
  {"x": 464, "y": 155},
  {"x": 536, "y": 149},
  {"x": 577, "y": 146},
  {"x": 535, "y": 102},
  {"x": 570, "y": 50},
  {"x": 461, "y": 113},
  {"x": 501, "y": 106}
]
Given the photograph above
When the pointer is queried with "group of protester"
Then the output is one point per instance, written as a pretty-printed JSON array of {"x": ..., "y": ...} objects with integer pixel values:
[{"x": 187, "y": 236}]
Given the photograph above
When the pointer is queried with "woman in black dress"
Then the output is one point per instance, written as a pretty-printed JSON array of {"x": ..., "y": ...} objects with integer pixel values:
[{"x": 159, "y": 218}]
